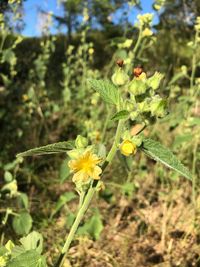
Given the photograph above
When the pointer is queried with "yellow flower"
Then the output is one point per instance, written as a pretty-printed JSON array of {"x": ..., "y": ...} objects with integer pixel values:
[
  {"x": 127, "y": 148},
  {"x": 85, "y": 167}
]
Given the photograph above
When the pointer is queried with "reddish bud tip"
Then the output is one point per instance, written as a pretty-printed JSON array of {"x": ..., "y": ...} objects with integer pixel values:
[
  {"x": 120, "y": 62},
  {"x": 137, "y": 71}
]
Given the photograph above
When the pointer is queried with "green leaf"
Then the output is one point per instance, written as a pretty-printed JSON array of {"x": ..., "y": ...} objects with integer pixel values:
[
  {"x": 22, "y": 223},
  {"x": 23, "y": 200},
  {"x": 48, "y": 149},
  {"x": 32, "y": 241},
  {"x": 93, "y": 227},
  {"x": 63, "y": 199},
  {"x": 162, "y": 154},
  {"x": 29, "y": 258},
  {"x": 121, "y": 115},
  {"x": 107, "y": 90},
  {"x": 17, "y": 250},
  {"x": 70, "y": 219}
]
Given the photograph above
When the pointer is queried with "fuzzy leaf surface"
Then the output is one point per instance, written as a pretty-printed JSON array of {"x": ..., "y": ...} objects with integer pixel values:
[
  {"x": 48, "y": 149},
  {"x": 162, "y": 154},
  {"x": 29, "y": 258},
  {"x": 121, "y": 115},
  {"x": 107, "y": 90}
]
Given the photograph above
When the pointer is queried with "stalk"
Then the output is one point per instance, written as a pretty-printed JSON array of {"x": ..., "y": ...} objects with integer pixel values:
[
  {"x": 193, "y": 64},
  {"x": 88, "y": 198}
]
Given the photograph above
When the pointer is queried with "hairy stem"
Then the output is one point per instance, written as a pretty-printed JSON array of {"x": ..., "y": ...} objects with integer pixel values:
[{"x": 88, "y": 198}]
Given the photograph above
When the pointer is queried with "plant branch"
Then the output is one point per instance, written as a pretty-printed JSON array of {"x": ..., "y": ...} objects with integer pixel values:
[{"x": 89, "y": 197}]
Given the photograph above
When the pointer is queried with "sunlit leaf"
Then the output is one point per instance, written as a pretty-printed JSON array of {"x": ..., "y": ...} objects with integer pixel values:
[
  {"x": 22, "y": 223},
  {"x": 123, "y": 114},
  {"x": 162, "y": 154},
  {"x": 108, "y": 91},
  {"x": 34, "y": 240},
  {"x": 29, "y": 258},
  {"x": 48, "y": 149}
]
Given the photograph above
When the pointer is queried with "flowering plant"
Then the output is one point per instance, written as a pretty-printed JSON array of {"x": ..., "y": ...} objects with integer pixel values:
[{"x": 135, "y": 100}]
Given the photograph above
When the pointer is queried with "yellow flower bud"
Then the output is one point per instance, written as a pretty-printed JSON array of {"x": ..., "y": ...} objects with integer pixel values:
[
  {"x": 81, "y": 141},
  {"x": 147, "y": 32},
  {"x": 91, "y": 51},
  {"x": 127, "y": 148}
]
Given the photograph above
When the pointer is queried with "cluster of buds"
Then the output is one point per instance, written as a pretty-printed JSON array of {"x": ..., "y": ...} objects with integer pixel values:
[
  {"x": 86, "y": 16},
  {"x": 144, "y": 104},
  {"x": 145, "y": 19},
  {"x": 144, "y": 23}
]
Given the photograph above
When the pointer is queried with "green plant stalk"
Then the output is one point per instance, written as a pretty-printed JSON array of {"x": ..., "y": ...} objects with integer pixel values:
[
  {"x": 193, "y": 64},
  {"x": 109, "y": 111},
  {"x": 89, "y": 197},
  {"x": 137, "y": 43},
  {"x": 81, "y": 199},
  {"x": 194, "y": 173}
]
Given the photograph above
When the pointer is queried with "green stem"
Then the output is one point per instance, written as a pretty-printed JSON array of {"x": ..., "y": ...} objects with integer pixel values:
[
  {"x": 88, "y": 198},
  {"x": 193, "y": 63},
  {"x": 137, "y": 43},
  {"x": 105, "y": 124},
  {"x": 194, "y": 174},
  {"x": 81, "y": 199}
]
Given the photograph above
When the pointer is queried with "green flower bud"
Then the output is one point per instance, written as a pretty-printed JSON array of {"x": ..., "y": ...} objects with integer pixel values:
[
  {"x": 134, "y": 115},
  {"x": 129, "y": 106},
  {"x": 126, "y": 135},
  {"x": 81, "y": 142},
  {"x": 120, "y": 78},
  {"x": 137, "y": 140},
  {"x": 75, "y": 153},
  {"x": 155, "y": 80},
  {"x": 143, "y": 106},
  {"x": 157, "y": 7},
  {"x": 138, "y": 87},
  {"x": 11, "y": 187},
  {"x": 184, "y": 69},
  {"x": 158, "y": 107}
]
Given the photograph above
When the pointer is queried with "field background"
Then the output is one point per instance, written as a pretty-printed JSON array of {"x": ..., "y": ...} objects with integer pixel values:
[{"x": 148, "y": 216}]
